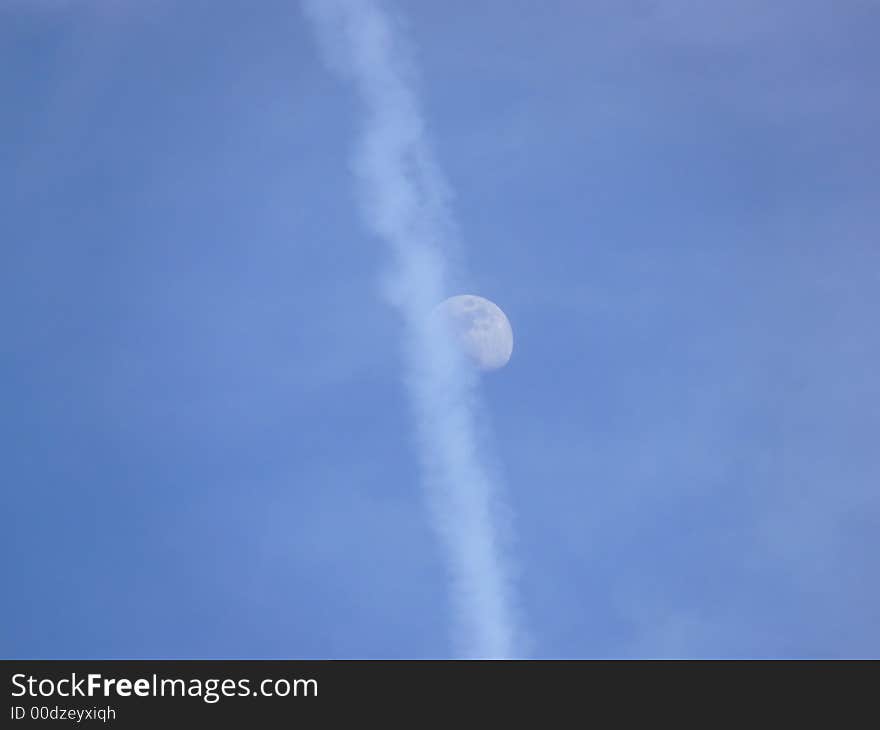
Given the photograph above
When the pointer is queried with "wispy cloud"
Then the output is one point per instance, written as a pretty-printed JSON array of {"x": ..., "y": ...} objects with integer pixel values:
[{"x": 404, "y": 201}]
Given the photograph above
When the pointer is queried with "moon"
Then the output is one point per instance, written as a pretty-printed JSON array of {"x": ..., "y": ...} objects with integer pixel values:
[{"x": 479, "y": 328}]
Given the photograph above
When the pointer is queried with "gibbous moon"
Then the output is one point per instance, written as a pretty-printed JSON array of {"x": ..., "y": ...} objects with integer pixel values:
[{"x": 480, "y": 328}]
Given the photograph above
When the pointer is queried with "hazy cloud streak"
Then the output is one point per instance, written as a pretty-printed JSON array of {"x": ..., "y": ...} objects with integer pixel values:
[{"x": 404, "y": 203}]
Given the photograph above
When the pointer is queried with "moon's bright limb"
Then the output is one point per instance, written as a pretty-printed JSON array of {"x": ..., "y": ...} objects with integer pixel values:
[{"x": 480, "y": 328}]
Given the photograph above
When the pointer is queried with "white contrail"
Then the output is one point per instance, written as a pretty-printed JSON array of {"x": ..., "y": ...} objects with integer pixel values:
[{"x": 403, "y": 198}]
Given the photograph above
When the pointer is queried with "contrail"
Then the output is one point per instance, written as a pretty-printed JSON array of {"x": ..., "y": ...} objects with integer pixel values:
[{"x": 403, "y": 197}]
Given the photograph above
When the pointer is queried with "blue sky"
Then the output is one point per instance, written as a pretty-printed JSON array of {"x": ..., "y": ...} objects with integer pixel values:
[{"x": 209, "y": 451}]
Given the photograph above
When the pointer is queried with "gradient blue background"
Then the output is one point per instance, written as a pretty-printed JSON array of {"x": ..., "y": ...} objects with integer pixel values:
[{"x": 207, "y": 448}]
